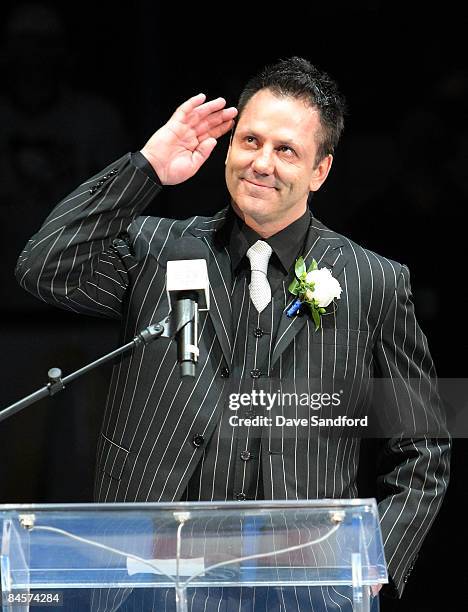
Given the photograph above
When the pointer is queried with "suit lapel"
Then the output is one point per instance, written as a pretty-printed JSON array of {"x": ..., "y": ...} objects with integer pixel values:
[
  {"x": 220, "y": 276},
  {"x": 323, "y": 245}
]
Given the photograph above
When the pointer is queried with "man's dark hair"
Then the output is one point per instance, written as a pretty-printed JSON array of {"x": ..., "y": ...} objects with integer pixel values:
[{"x": 298, "y": 78}]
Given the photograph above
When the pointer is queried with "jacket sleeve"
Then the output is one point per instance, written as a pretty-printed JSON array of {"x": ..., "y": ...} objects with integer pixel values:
[
  {"x": 414, "y": 471},
  {"x": 80, "y": 257}
]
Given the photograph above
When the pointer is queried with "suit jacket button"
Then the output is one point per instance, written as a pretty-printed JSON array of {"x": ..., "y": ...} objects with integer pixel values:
[
  {"x": 198, "y": 440},
  {"x": 240, "y": 496},
  {"x": 255, "y": 373},
  {"x": 245, "y": 455},
  {"x": 258, "y": 332},
  {"x": 224, "y": 372}
]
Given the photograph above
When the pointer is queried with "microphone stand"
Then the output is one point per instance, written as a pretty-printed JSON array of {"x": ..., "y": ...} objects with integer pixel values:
[{"x": 163, "y": 329}]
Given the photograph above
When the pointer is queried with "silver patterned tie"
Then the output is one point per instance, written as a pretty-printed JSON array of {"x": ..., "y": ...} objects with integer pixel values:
[{"x": 260, "y": 291}]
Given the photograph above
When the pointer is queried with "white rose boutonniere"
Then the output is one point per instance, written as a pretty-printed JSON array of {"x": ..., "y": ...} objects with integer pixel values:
[{"x": 315, "y": 287}]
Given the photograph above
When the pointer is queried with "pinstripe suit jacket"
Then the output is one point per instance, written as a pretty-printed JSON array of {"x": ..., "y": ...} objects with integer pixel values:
[{"x": 95, "y": 254}]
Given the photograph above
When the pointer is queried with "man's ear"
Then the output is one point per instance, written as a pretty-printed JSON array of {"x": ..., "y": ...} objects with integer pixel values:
[{"x": 321, "y": 172}]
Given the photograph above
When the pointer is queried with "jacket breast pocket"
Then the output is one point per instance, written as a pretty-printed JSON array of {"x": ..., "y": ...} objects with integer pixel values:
[
  {"x": 340, "y": 354},
  {"x": 113, "y": 458},
  {"x": 347, "y": 337}
]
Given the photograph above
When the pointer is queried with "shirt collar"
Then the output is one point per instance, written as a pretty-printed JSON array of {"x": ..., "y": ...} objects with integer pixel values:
[{"x": 286, "y": 244}]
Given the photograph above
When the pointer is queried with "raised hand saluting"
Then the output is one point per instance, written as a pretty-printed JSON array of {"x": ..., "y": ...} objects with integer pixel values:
[{"x": 181, "y": 146}]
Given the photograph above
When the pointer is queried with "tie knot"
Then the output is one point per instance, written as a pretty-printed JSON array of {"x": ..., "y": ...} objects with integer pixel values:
[{"x": 259, "y": 255}]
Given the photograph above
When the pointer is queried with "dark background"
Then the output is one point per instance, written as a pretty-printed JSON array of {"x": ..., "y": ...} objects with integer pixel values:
[{"x": 84, "y": 85}]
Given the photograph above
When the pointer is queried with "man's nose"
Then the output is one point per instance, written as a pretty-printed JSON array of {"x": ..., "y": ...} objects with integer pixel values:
[{"x": 263, "y": 162}]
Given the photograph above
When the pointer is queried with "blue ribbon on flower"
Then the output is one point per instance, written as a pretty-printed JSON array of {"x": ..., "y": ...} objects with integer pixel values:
[{"x": 292, "y": 310}]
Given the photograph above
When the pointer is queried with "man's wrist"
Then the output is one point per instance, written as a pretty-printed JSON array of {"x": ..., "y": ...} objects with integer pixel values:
[{"x": 140, "y": 161}]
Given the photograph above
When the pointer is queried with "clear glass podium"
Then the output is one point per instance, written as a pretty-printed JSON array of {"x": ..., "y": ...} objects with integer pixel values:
[{"x": 49, "y": 549}]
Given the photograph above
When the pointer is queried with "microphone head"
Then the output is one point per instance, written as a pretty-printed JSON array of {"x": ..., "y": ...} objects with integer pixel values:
[
  {"x": 187, "y": 270},
  {"x": 187, "y": 247}
]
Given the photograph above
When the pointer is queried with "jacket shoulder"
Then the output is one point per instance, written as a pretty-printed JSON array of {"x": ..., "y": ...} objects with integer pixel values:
[
  {"x": 367, "y": 261},
  {"x": 150, "y": 233}
]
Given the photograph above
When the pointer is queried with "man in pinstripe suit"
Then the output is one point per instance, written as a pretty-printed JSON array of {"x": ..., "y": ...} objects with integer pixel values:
[{"x": 167, "y": 439}]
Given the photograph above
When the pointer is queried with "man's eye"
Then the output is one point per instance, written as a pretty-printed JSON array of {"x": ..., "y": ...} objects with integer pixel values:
[
  {"x": 286, "y": 149},
  {"x": 250, "y": 139}
]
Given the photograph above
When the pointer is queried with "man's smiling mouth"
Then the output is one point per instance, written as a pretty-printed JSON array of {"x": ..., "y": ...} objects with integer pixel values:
[{"x": 259, "y": 184}]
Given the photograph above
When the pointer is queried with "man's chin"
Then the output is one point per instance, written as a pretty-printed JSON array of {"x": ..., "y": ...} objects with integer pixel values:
[{"x": 255, "y": 208}]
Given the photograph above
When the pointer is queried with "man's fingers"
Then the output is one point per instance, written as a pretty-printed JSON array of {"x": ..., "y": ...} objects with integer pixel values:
[
  {"x": 217, "y": 131},
  {"x": 193, "y": 109},
  {"x": 203, "y": 151},
  {"x": 188, "y": 106},
  {"x": 210, "y": 111},
  {"x": 210, "y": 107},
  {"x": 204, "y": 117},
  {"x": 214, "y": 120}
]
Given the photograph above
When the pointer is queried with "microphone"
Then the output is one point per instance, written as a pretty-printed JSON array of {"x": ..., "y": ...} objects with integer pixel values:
[{"x": 187, "y": 286}]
